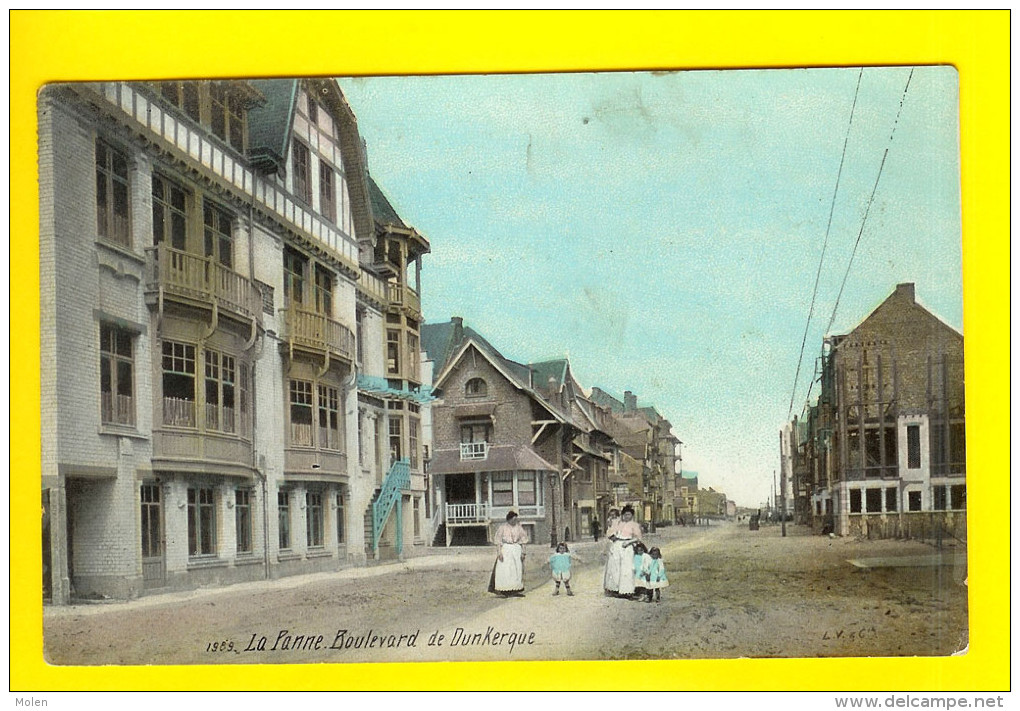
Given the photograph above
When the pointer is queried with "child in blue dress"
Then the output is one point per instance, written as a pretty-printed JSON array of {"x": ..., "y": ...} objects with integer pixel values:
[
  {"x": 641, "y": 563},
  {"x": 656, "y": 580},
  {"x": 559, "y": 562}
]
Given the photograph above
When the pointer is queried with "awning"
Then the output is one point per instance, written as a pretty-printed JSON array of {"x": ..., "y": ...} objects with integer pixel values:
[{"x": 501, "y": 458}]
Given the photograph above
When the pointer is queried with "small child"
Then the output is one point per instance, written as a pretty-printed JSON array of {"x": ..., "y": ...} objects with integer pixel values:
[
  {"x": 656, "y": 575},
  {"x": 641, "y": 563},
  {"x": 559, "y": 562}
]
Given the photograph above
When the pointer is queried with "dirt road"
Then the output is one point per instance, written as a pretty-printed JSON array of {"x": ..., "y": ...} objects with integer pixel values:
[{"x": 733, "y": 593}]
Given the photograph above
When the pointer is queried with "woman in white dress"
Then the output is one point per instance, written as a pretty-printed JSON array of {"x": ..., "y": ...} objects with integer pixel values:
[
  {"x": 508, "y": 572},
  {"x": 619, "y": 576}
]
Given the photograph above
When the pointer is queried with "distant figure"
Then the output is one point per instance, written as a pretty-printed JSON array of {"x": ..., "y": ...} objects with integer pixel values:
[
  {"x": 753, "y": 525},
  {"x": 656, "y": 575},
  {"x": 595, "y": 530},
  {"x": 559, "y": 562},
  {"x": 508, "y": 571}
]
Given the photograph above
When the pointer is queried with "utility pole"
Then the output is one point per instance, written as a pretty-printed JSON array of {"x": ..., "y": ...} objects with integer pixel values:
[{"x": 782, "y": 484}]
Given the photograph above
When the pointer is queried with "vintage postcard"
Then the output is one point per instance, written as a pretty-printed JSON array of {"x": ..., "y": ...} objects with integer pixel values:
[{"x": 576, "y": 366}]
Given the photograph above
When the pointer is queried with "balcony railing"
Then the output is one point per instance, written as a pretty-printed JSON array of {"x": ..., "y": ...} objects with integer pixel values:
[
  {"x": 118, "y": 409},
  {"x": 403, "y": 295},
  {"x": 203, "y": 279},
  {"x": 318, "y": 332},
  {"x": 460, "y": 514},
  {"x": 474, "y": 450}
]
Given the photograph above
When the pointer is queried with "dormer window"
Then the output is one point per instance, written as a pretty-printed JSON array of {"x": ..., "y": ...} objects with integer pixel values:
[{"x": 476, "y": 387}]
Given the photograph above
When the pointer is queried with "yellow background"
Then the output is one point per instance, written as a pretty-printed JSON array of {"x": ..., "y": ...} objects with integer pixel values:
[{"x": 49, "y": 46}]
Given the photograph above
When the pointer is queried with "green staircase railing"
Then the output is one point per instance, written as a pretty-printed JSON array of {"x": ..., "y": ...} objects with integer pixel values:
[{"x": 397, "y": 479}]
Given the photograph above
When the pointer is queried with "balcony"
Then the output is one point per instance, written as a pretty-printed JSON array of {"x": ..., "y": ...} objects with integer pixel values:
[
  {"x": 404, "y": 297},
  {"x": 474, "y": 451},
  {"x": 316, "y": 332},
  {"x": 466, "y": 514},
  {"x": 201, "y": 281}
]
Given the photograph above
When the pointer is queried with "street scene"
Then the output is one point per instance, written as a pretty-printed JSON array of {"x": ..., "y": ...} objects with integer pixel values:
[
  {"x": 733, "y": 593},
  {"x": 520, "y": 367}
]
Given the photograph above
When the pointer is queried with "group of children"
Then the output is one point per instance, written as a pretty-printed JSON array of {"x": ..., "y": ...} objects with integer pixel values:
[{"x": 649, "y": 571}]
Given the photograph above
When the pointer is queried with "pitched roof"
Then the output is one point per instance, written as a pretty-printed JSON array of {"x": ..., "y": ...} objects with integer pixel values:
[
  {"x": 269, "y": 124},
  {"x": 382, "y": 209}
]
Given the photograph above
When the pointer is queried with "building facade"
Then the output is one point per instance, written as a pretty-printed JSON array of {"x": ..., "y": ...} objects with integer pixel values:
[
  {"x": 218, "y": 284},
  {"x": 883, "y": 452}
]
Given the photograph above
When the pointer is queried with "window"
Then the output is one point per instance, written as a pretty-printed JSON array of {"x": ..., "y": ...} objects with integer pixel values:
[
  {"x": 395, "y": 438},
  {"x": 913, "y": 446},
  {"x": 873, "y": 500},
  {"x": 359, "y": 323},
  {"x": 313, "y": 510},
  {"x": 313, "y": 112},
  {"x": 939, "y": 498},
  {"x": 323, "y": 291},
  {"x": 169, "y": 213},
  {"x": 527, "y": 489},
  {"x": 301, "y": 413},
  {"x": 329, "y": 417},
  {"x": 340, "y": 519},
  {"x": 242, "y": 520},
  {"x": 112, "y": 194},
  {"x": 201, "y": 522},
  {"x": 295, "y": 267},
  {"x": 476, "y": 387},
  {"x": 914, "y": 500},
  {"x": 412, "y": 441},
  {"x": 327, "y": 192},
  {"x": 474, "y": 440},
  {"x": 226, "y": 115},
  {"x": 302, "y": 172},
  {"x": 178, "y": 384},
  {"x": 502, "y": 489},
  {"x": 958, "y": 497},
  {"x": 890, "y": 499},
  {"x": 413, "y": 356},
  {"x": 416, "y": 516},
  {"x": 392, "y": 351},
  {"x": 855, "y": 501},
  {"x": 242, "y": 377},
  {"x": 152, "y": 539},
  {"x": 116, "y": 376},
  {"x": 218, "y": 238},
  {"x": 283, "y": 518},
  {"x": 219, "y": 392},
  {"x": 183, "y": 95}
]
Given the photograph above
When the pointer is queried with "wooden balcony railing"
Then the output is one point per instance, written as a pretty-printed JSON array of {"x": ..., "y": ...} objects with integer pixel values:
[
  {"x": 459, "y": 514},
  {"x": 402, "y": 295},
  {"x": 190, "y": 276},
  {"x": 318, "y": 332},
  {"x": 474, "y": 450}
]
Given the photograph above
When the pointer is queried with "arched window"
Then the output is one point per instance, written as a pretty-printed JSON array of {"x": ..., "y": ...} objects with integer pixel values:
[{"x": 476, "y": 387}]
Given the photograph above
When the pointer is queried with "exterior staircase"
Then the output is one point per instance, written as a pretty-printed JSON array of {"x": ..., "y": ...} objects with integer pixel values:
[{"x": 388, "y": 498}]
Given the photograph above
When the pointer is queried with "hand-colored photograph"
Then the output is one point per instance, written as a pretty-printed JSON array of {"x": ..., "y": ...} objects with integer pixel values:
[{"x": 551, "y": 367}]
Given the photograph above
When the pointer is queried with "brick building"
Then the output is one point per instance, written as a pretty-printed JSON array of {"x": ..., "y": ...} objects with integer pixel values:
[
  {"x": 883, "y": 451},
  {"x": 216, "y": 266}
]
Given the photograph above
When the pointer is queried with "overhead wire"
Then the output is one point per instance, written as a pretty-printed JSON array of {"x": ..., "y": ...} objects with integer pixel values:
[
  {"x": 825, "y": 244},
  {"x": 864, "y": 221}
]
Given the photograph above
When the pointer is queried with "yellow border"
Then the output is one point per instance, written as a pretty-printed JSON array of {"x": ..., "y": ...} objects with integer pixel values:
[{"x": 62, "y": 45}]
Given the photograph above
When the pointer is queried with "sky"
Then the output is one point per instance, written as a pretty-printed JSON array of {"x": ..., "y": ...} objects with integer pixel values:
[{"x": 664, "y": 230}]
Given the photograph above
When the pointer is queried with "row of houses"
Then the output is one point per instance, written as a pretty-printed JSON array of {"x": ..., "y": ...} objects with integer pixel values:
[
  {"x": 881, "y": 451},
  {"x": 237, "y": 382},
  {"x": 529, "y": 438}
]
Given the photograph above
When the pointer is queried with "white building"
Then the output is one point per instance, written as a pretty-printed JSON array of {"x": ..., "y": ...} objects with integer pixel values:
[{"x": 229, "y": 344}]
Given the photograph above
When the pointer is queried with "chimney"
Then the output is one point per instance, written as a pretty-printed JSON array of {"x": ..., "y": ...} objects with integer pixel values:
[
  {"x": 906, "y": 290},
  {"x": 629, "y": 401}
]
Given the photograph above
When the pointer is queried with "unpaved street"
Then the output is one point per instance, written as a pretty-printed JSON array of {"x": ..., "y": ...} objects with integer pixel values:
[{"x": 733, "y": 593}]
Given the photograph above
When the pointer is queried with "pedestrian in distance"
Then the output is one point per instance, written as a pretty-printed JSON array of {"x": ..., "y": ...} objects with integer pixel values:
[
  {"x": 618, "y": 579},
  {"x": 508, "y": 571},
  {"x": 559, "y": 563},
  {"x": 656, "y": 574},
  {"x": 642, "y": 561},
  {"x": 595, "y": 530}
]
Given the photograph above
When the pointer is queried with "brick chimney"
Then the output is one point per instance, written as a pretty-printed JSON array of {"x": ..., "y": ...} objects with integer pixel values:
[
  {"x": 906, "y": 290},
  {"x": 629, "y": 401}
]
